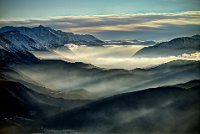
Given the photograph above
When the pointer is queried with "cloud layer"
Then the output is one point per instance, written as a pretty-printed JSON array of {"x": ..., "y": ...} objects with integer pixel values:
[
  {"x": 111, "y": 57},
  {"x": 158, "y": 26}
]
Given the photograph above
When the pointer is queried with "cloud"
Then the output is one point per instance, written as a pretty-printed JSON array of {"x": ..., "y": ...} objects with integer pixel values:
[
  {"x": 132, "y": 24},
  {"x": 112, "y": 57}
]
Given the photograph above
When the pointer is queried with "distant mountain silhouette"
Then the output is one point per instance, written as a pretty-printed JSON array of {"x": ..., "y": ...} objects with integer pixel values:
[
  {"x": 174, "y": 47},
  {"x": 130, "y": 42}
]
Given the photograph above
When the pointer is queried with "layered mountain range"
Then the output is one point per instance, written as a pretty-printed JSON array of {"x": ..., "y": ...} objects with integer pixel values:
[
  {"x": 169, "y": 109},
  {"x": 56, "y": 96}
]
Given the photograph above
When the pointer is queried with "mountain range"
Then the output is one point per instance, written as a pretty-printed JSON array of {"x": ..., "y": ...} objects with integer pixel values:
[
  {"x": 80, "y": 78},
  {"x": 55, "y": 96},
  {"x": 130, "y": 42},
  {"x": 15, "y": 39},
  {"x": 169, "y": 109},
  {"x": 174, "y": 47},
  {"x": 41, "y": 38},
  {"x": 73, "y": 78}
]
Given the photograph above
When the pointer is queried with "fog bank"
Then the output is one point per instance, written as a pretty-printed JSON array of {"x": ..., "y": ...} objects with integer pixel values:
[{"x": 110, "y": 57}]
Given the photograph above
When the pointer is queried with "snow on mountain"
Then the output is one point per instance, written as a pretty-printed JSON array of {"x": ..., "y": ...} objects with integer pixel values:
[
  {"x": 41, "y": 38},
  {"x": 15, "y": 41}
]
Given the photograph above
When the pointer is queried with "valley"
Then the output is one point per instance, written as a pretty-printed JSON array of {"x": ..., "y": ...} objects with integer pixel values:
[{"x": 76, "y": 88}]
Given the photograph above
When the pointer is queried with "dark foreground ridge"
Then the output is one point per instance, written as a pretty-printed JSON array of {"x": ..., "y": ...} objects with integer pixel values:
[{"x": 169, "y": 109}]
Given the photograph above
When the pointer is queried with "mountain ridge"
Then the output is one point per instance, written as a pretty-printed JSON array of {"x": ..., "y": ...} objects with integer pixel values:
[
  {"x": 174, "y": 47},
  {"x": 43, "y": 38},
  {"x": 147, "y": 106},
  {"x": 32, "y": 103},
  {"x": 131, "y": 42}
]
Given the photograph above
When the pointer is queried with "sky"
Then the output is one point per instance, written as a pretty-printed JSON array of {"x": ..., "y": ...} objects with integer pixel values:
[{"x": 107, "y": 19}]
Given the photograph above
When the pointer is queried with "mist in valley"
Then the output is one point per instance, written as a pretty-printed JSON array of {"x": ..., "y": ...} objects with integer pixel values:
[
  {"x": 110, "y": 56},
  {"x": 89, "y": 84},
  {"x": 83, "y": 72},
  {"x": 107, "y": 90},
  {"x": 100, "y": 67}
]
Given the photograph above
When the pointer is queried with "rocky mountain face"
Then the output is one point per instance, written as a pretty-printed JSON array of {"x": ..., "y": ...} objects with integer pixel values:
[
  {"x": 15, "y": 42},
  {"x": 41, "y": 38},
  {"x": 174, "y": 47}
]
